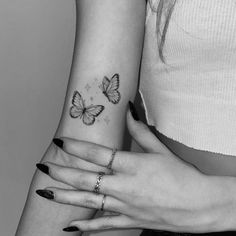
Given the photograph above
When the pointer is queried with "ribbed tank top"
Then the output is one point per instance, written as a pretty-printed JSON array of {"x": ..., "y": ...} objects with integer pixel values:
[{"x": 192, "y": 97}]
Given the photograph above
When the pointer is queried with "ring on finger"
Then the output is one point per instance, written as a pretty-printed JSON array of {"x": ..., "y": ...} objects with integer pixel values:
[
  {"x": 109, "y": 166},
  {"x": 98, "y": 182},
  {"x": 103, "y": 202}
]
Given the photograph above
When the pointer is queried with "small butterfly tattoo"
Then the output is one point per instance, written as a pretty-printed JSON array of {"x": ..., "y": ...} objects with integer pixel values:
[
  {"x": 110, "y": 88},
  {"x": 79, "y": 109}
]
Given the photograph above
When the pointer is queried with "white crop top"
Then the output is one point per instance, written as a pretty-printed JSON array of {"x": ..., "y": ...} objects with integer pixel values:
[{"x": 192, "y": 98}]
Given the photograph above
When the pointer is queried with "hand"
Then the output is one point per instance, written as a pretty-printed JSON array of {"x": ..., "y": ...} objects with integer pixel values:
[{"x": 153, "y": 190}]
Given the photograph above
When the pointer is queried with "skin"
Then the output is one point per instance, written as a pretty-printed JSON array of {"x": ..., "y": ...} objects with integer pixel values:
[
  {"x": 201, "y": 205},
  {"x": 100, "y": 50},
  {"x": 111, "y": 53}
]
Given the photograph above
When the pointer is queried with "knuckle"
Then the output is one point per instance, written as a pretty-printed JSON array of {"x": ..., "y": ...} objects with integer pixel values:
[
  {"x": 69, "y": 154},
  {"x": 67, "y": 200},
  {"x": 92, "y": 151},
  {"x": 89, "y": 202},
  {"x": 118, "y": 161},
  {"x": 122, "y": 161},
  {"x": 81, "y": 181},
  {"x": 108, "y": 223},
  {"x": 126, "y": 163}
]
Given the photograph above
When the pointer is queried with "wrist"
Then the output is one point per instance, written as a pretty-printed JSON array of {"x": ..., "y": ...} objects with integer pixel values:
[
  {"x": 220, "y": 208},
  {"x": 110, "y": 135}
]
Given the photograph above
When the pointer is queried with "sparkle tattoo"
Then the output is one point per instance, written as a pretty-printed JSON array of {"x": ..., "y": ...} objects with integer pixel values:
[
  {"x": 107, "y": 120},
  {"x": 87, "y": 87}
]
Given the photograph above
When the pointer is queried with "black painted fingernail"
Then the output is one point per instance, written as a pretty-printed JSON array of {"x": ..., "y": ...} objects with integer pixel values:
[
  {"x": 43, "y": 168},
  {"x": 58, "y": 142},
  {"x": 45, "y": 193},
  {"x": 133, "y": 111},
  {"x": 71, "y": 229}
]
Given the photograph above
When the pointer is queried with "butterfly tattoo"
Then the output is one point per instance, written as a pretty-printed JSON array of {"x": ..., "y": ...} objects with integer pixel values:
[
  {"x": 110, "y": 88},
  {"x": 87, "y": 114}
]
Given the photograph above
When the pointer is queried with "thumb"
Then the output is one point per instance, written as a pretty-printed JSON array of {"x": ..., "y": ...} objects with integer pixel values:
[{"x": 141, "y": 133}]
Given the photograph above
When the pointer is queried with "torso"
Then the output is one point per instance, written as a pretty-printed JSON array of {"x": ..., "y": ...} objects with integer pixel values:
[
  {"x": 207, "y": 162},
  {"x": 182, "y": 96}
]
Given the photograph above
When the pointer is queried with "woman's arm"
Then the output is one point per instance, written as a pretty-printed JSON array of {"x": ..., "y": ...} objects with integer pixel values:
[
  {"x": 108, "y": 43},
  {"x": 169, "y": 193}
]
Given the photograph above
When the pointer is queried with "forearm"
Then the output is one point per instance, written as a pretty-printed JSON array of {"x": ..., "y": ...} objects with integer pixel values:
[
  {"x": 100, "y": 52},
  {"x": 111, "y": 44},
  {"x": 42, "y": 217}
]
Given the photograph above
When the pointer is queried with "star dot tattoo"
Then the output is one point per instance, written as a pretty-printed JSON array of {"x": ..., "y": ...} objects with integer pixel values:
[
  {"x": 87, "y": 87},
  {"x": 107, "y": 120}
]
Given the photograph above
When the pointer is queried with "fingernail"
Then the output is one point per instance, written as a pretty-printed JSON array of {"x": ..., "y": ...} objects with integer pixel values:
[
  {"x": 43, "y": 168},
  {"x": 71, "y": 229},
  {"x": 45, "y": 193},
  {"x": 58, "y": 142},
  {"x": 133, "y": 111}
]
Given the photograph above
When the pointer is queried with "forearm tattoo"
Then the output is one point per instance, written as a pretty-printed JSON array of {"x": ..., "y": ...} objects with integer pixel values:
[
  {"x": 79, "y": 109},
  {"x": 88, "y": 114},
  {"x": 110, "y": 88}
]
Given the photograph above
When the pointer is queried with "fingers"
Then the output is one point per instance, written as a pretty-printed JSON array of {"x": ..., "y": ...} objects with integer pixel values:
[
  {"x": 141, "y": 133},
  {"x": 81, "y": 198},
  {"x": 96, "y": 154},
  {"x": 80, "y": 179},
  {"x": 102, "y": 223},
  {"x": 90, "y": 152}
]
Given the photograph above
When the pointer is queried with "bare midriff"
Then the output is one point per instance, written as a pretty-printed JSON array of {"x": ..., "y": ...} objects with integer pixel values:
[{"x": 207, "y": 162}]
